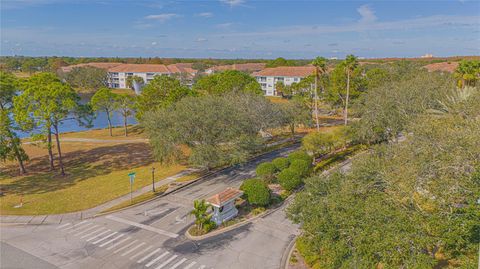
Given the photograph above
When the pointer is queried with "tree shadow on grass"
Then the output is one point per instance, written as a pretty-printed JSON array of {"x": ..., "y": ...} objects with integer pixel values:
[{"x": 79, "y": 165}]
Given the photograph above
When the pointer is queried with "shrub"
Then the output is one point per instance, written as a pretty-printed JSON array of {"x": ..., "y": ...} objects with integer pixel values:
[
  {"x": 266, "y": 171},
  {"x": 281, "y": 163},
  {"x": 299, "y": 155},
  {"x": 256, "y": 191},
  {"x": 289, "y": 179},
  {"x": 301, "y": 166}
]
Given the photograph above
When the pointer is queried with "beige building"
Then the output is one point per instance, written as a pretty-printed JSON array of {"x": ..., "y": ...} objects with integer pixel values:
[{"x": 286, "y": 74}]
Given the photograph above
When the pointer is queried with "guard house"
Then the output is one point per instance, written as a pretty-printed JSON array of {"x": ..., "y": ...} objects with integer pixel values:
[{"x": 223, "y": 205}]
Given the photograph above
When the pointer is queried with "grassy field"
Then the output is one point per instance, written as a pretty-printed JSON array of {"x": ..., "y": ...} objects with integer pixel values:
[{"x": 96, "y": 173}]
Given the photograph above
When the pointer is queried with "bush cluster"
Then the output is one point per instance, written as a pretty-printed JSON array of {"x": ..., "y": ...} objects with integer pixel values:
[
  {"x": 281, "y": 163},
  {"x": 289, "y": 179},
  {"x": 256, "y": 191},
  {"x": 266, "y": 171}
]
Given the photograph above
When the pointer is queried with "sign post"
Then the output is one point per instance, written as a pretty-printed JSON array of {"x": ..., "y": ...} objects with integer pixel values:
[
  {"x": 132, "y": 179},
  {"x": 153, "y": 179}
]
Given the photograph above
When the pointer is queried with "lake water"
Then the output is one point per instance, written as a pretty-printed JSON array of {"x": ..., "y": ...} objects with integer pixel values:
[{"x": 71, "y": 125}]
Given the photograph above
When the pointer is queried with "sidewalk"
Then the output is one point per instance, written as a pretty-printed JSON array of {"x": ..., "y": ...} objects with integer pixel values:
[{"x": 88, "y": 213}]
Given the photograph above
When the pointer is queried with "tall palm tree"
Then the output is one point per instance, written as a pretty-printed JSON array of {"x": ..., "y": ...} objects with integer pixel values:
[
  {"x": 320, "y": 64},
  {"x": 350, "y": 64}
]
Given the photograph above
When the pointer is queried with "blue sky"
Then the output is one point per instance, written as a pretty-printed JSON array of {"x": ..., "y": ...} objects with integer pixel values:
[{"x": 239, "y": 28}]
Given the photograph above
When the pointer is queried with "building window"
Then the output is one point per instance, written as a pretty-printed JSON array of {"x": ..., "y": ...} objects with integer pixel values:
[
  {"x": 264, "y": 85},
  {"x": 279, "y": 78},
  {"x": 296, "y": 79},
  {"x": 262, "y": 79}
]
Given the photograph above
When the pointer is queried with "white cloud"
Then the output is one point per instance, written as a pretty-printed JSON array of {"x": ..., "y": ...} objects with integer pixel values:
[
  {"x": 201, "y": 39},
  {"x": 205, "y": 14},
  {"x": 154, "y": 43},
  {"x": 233, "y": 3},
  {"x": 367, "y": 14},
  {"x": 224, "y": 25},
  {"x": 162, "y": 17}
]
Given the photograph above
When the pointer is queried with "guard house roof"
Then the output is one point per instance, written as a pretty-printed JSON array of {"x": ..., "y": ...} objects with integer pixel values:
[{"x": 224, "y": 197}]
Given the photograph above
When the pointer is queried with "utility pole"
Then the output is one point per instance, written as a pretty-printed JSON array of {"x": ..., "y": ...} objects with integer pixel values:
[
  {"x": 153, "y": 179},
  {"x": 316, "y": 101}
]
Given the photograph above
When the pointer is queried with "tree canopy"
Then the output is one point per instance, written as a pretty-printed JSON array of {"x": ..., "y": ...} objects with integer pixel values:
[
  {"x": 86, "y": 77},
  {"x": 227, "y": 82}
]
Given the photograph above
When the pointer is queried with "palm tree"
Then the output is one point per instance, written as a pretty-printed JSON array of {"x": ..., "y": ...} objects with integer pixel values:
[
  {"x": 200, "y": 208},
  {"x": 320, "y": 64},
  {"x": 350, "y": 64}
]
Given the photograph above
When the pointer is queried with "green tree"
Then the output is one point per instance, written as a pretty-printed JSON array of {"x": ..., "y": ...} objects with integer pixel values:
[
  {"x": 105, "y": 100},
  {"x": 290, "y": 179},
  {"x": 10, "y": 144},
  {"x": 281, "y": 163},
  {"x": 281, "y": 62},
  {"x": 320, "y": 64},
  {"x": 125, "y": 104},
  {"x": 295, "y": 113},
  {"x": 160, "y": 92},
  {"x": 319, "y": 143},
  {"x": 467, "y": 73},
  {"x": 227, "y": 82},
  {"x": 256, "y": 191},
  {"x": 87, "y": 77},
  {"x": 266, "y": 171},
  {"x": 200, "y": 211},
  {"x": 45, "y": 102}
]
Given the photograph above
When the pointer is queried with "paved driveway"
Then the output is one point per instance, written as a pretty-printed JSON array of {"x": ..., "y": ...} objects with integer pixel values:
[{"x": 151, "y": 235}]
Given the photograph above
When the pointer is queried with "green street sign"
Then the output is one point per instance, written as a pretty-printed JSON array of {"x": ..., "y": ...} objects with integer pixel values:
[{"x": 132, "y": 177}]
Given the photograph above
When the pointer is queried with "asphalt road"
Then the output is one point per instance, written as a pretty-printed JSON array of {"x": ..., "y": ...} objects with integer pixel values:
[{"x": 152, "y": 235}]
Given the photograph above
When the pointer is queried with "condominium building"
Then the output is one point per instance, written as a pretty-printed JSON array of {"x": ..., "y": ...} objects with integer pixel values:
[{"x": 286, "y": 74}]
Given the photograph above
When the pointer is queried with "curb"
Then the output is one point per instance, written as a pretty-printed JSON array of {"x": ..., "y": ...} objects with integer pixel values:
[{"x": 288, "y": 251}]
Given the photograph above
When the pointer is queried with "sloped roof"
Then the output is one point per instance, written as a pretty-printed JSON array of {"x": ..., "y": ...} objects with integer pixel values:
[
  {"x": 286, "y": 71},
  {"x": 224, "y": 197},
  {"x": 240, "y": 67},
  {"x": 140, "y": 68},
  {"x": 105, "y": 66},
  {"x": 443, "y": 67}
]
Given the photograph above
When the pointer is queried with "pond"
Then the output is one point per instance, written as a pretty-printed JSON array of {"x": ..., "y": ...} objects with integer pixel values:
[{"x": 71, "y": 125}]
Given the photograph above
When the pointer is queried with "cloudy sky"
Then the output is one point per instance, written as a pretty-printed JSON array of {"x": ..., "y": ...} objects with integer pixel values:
[{"x": 239, "y": 28}]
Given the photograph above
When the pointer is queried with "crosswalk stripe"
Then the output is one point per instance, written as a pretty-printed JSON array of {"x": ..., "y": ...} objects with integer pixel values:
[
  {"x": 94, "y": 232},
  {"x": 167, "y": 262},
  {"x": 201, "y": 267},
  {"x": 73, "y": 226},
  {"x": 178, "y": 263},
  {"x": 126, "y": 246},
  {"x": 86, "y": 230},
  {"x": 97, "y": 235},
  {"x": 118, "y": 243},
  {"x": 103, "y": 238},
  {"x": 149, "y": 255},
  {"x": 143, "y": 226},
  {"x": 190, "y": 265},
  {"x": 111, "y": 240},
  {"x": 133, "y": 249},
  {"x": 80, "y": 228},
  {"x": 140, "y": 253},
  {"x": 63, "y": 225},
  {"x": 157, "y": 258}
]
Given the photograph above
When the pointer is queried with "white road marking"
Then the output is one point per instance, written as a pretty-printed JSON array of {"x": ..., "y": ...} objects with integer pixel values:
[
  {"x": 156, "y": 259},
  {"x": 86, "y": 230},
  {"x": 174, "y": 211},
  {"x": 133, "y": 249},
  {"x": 126, "y": 246},
  {"x": 118, "y": 243},
  {"x": 190, "y": 265},
  {"x": 167, "y": 262},
  {"x": 201, "y": 267},
  {"x": 103, "y": 238},
  {"x": 140, "y": 253},
  {"x": 149, "y": 255},
  {"x": 111, "y": 240},
  {"x": 148, "y": 212},
  {"x": 63, "y": 225},
  {"x": 143, "y": 226},
  {"x": 97, "y": 235},
  {"x": 178, "y": 263},
  {"x": 90, "y": 234},
  {"x": 80, "y": 228},
  {"x": 73, "y": 226}
]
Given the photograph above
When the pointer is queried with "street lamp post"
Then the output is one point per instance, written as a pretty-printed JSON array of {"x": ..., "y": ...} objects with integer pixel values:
[{"x": 153, "y": 179}]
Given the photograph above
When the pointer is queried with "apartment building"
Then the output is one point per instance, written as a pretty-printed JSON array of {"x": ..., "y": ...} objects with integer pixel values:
[{"x": 286, "y": 74}]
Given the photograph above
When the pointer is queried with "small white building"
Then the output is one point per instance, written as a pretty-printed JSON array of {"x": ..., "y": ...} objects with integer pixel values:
[
  {"x": 223, "y": 205},
  {"x": 286, "y": 74}
]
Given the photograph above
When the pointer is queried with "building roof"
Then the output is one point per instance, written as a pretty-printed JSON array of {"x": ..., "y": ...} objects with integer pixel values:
[
  {"x": 224, "y": 197},
  {"x": 140, "y": 68},
  {"x": 286, "y": 71},
  {"x": 92, "y": 64},
  {"x": 247, "y": 67},
  {"x": 443, "y": 67}
]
